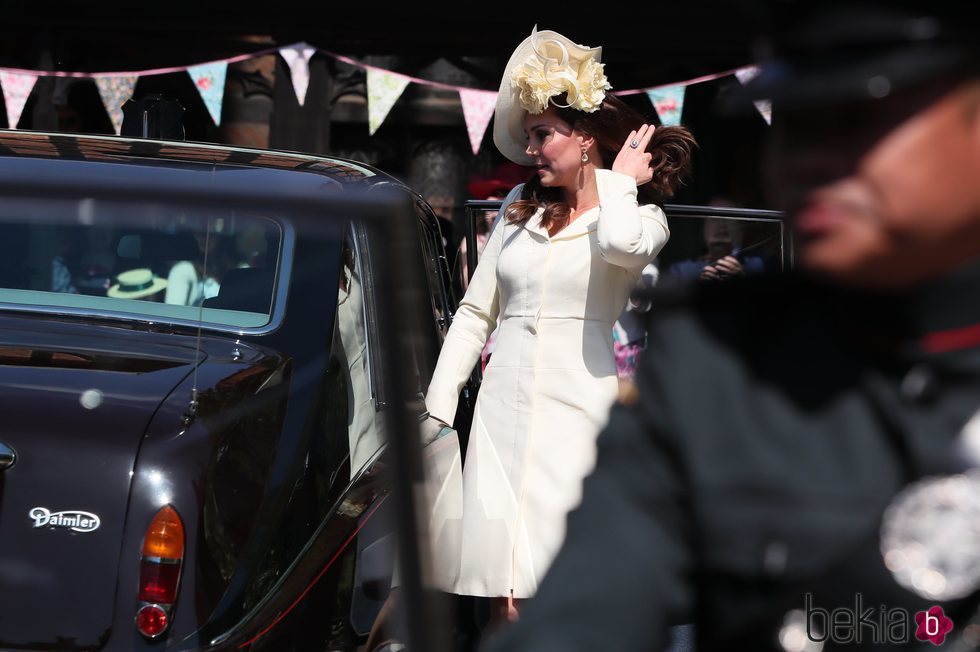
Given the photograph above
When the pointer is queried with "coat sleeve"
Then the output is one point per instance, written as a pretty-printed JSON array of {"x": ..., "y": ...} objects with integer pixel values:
[
  {"x": 629, "y": 235},
  {"x": 623, "y": 575},
  {"x": 473, "y": 322}
]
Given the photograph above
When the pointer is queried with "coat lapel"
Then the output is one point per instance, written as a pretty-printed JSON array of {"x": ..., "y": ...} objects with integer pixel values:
[
  {"x": 581, "y": 226},
  {"x": 587, "y": 222}
]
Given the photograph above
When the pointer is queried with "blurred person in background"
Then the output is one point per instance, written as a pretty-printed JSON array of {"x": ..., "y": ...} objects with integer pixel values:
[
  {"x": 630, "y": 330},
  {"x": 724, "y": 256}
]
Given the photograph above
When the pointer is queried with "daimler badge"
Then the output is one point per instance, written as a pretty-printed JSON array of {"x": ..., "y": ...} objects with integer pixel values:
[{"x": 73, "y": 520}]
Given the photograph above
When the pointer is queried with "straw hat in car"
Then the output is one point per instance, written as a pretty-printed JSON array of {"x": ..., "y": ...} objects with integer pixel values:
[
  {"x": 136, "y": 284},
  {"x": 545, "y": 66}
]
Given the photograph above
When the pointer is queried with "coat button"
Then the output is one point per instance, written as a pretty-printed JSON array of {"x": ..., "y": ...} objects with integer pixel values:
[{"x": 920, "y": 385}]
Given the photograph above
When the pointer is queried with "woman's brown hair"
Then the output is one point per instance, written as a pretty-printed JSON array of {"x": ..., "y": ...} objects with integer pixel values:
[{"x": 610, "y": 126}]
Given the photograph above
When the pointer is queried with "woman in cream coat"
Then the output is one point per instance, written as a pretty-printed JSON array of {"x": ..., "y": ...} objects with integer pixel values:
[{"x": 557, "y": 271}]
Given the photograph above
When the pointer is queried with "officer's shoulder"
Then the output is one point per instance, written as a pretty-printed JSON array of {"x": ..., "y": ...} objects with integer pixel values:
[{"x": 773, "y": 310}]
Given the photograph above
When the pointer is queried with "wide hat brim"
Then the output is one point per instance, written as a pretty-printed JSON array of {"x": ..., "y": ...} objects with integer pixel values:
[
  {"x": 155, "y": 286},
  {"x": 508, "y": 115}
]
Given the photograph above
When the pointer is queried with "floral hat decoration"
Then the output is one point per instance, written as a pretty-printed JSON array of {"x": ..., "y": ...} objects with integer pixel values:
[{"x": 545, "y": 66}]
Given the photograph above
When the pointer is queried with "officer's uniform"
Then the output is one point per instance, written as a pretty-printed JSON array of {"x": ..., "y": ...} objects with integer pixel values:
[{"x": 779, "y": 419}]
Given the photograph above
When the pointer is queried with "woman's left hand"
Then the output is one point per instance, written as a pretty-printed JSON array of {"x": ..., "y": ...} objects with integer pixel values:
[{"x": 635, "y": 161}]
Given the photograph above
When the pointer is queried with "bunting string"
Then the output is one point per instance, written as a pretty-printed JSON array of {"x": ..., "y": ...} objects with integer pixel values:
[
  {"x": 142, "y": 73},
  {"x": 384, "y": 87}
]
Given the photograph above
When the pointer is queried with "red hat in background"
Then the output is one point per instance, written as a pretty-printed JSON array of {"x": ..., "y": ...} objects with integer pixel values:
[{"x": 503, "y": 178}]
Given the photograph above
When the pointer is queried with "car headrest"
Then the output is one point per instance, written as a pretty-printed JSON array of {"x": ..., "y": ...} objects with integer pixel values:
[{"x": 248, "y": 289}]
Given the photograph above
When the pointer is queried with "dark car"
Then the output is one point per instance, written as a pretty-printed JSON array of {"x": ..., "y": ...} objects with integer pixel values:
[{"x": 196, "y": 351}]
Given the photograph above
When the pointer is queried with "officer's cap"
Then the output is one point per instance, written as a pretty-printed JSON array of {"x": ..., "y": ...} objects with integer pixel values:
[{"x": 832, "y": 51}]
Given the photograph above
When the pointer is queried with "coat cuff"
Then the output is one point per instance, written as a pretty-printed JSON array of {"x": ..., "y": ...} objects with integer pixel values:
[{"x": 615, "y": 185}]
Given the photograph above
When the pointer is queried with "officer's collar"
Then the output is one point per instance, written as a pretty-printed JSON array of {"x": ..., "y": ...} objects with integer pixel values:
[
  {"x": 947, "y": 312},
  {"x": 937, "y": 318}
]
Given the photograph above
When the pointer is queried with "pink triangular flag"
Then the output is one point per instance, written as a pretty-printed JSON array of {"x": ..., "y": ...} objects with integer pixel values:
[
  {"x": 115, "y": 91},
  {"x": 298, "y": 59},
  {"x": 16, "y": 89},
  {"x": 477, "y": 111},
  {"x": 383, "y": 88},
  {"x": 764, "y": 107}
]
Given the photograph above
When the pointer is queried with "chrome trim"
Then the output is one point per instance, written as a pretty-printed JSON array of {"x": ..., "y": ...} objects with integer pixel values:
[
  {"x": 283, "y": 275},
  {"x": 8, "y": 457},
  {"x": 369, "y": 305},
  {"x": 166, "y": 609},
  {"x": 220, "y": 148},
  {"x": 162, "y": 560},
  {"x": 359, "y": 242}
]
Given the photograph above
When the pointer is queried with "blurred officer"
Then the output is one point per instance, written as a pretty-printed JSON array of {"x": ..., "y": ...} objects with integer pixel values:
[{"x": 787, "y": 475}]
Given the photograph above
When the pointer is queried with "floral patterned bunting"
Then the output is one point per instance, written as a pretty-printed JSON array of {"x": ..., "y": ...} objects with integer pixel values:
[
  {"x": 209, "y": 79},
  {"x": 383, "y": 88},
  {"x": 17, "y": 88},
  {"x": 668, "y": 102},
  {"x": 115, "y": 91},
  {"x": 477, "y": 110}
]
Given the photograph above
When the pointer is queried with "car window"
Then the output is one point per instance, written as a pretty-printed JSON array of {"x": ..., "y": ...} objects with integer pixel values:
[
  {"x": 756, "y": 242},
  {"x": 151, "y": 263}
]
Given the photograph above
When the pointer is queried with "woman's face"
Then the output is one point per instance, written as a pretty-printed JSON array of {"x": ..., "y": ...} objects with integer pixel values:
[{"x": 555, "y": 148}]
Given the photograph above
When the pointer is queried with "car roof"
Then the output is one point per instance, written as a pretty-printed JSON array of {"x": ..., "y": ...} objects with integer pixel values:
[
  {"x": 76, "y": 165},
  {"x": 73, "y": 147}
]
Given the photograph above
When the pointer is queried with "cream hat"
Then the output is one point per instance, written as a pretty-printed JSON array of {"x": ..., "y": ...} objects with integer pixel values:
[
  {"x": 136, "y": 284},
  {"x": 545, "y": 65}
]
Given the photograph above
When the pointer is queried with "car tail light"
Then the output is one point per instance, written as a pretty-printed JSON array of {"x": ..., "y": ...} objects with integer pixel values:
[
  {"x": 160, "y": 564},
  {"x": 151, "y": 620}
]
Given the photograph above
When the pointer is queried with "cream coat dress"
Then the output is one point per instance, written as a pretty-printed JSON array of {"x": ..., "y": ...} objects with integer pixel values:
[{"x": 549, "y": 384}]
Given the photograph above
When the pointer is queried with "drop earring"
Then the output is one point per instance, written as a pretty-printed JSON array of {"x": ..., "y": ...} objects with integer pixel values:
[{"x": 585, "y": 156}]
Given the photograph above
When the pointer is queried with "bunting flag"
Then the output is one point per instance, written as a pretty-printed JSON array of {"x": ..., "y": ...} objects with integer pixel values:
[
  {"x": 764, "y": 107},
  {"x": 383, "y": 89},
  {"x": 668, "y": 102},
  {"x": 298, "y": 59},
  {"x": 209, "y": 78},
  {"x": 115, "y": 91},
  {"x": 477, "y": 110},
  {"x": 16, "y": 89}
]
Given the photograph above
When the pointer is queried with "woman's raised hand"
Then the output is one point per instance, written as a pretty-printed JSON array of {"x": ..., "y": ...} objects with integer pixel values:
[{"x": 634, "y": 159}]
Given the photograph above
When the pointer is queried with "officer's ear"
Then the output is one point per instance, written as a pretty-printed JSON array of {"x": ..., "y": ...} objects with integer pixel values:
[{"x": 971, "y": 94}]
